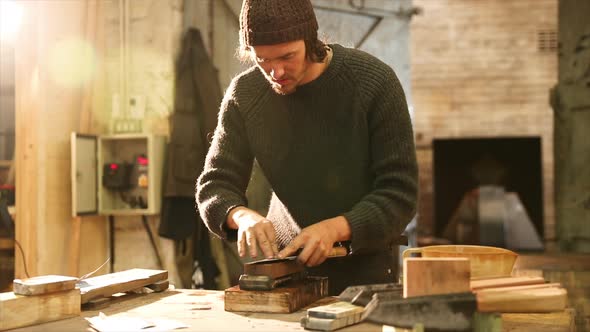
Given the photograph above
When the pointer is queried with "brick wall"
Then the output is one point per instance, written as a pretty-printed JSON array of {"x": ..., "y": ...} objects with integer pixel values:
[{"x": 478, "y": 71}]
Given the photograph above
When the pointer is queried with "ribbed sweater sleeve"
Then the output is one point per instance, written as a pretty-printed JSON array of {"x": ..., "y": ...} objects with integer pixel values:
[
  {"x": 380, "y": 217},
  {"x": 228, "y": 165}
]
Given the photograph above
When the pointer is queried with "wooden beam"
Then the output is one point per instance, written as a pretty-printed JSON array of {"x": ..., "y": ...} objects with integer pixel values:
[
  {"x": 28, "y": 96},
  {"x": 19, "y": 310}
]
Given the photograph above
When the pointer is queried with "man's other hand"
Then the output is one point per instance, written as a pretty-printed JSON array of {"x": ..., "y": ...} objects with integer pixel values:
[{"x": 253, "y": 231}]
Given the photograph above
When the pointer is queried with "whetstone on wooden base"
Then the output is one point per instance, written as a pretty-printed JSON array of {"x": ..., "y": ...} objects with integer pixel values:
[
  {"x": 273, "y": 268},
  {"x": 285, "y": 299}
]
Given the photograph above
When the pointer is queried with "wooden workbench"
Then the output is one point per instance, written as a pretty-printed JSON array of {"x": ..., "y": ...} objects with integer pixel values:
[{"x": 188, "y": 306}]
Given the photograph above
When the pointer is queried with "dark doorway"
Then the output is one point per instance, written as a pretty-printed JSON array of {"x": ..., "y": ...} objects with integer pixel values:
[{"x": 518, "y": 160}]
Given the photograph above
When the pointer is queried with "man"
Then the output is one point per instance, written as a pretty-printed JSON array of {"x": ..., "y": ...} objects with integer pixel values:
[{"x": 330, "y": 129}]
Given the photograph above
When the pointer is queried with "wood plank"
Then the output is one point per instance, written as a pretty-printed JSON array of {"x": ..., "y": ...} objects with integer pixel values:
[
  {"x": 505, "y": 282},
  {"x": 19, "y": 310},
  {"x": 119, "y": 282},
  {"x": 280, "y": 300},
  {"x": 516, "y": 288},
  {"x": 537, "y": 300},
  {"x": 431, "y": 276},
  {"x": 43, "y": 284}
]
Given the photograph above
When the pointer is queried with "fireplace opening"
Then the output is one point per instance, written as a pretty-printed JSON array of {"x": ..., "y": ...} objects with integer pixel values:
[{"x": 487, "y": 168}]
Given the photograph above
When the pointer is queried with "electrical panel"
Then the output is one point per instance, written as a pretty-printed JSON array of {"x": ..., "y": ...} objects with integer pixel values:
[{"x": 117, "y": 174}]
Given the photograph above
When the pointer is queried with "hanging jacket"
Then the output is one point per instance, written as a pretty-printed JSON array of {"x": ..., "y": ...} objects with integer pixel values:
[{"x": 197, "y": 97}]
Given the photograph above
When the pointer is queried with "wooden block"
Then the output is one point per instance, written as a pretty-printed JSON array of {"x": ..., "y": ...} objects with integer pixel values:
[
  {"x": 43, "y": 284},
  {"x": 505, "y": 282},
  {"x": 438, "y": 275},
  {"x": 21, "y": 310},
  {"x": 523, "y": 301},
  {"x": 284, "y": 299},
  {"x": 119, "y": 282}
]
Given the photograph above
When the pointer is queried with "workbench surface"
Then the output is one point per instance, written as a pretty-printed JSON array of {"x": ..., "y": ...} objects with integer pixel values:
[{"x": 190, "y": 306}]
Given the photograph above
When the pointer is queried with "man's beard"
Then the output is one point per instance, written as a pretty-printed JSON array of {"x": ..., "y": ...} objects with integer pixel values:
[{"x": 283, "y": 90}]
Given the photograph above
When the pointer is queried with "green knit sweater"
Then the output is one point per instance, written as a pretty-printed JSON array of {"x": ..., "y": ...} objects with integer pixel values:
[{"x": 339, "y": 145}]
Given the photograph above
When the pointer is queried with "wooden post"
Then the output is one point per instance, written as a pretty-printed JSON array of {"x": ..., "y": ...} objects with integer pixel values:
[
  {"x": 46, "y": 111},
  {"x": 75, "y": 247},
  {"x": 27, "y": 98}
]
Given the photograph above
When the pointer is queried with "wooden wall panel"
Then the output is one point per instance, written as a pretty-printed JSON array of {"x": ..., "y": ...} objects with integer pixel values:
[{"x": 50, "y": 100}]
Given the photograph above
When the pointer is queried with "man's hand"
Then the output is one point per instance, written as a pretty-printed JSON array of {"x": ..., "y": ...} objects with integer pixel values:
[
  {"x": 253, "y": 231},
  {"x": 317, "y": 241}
]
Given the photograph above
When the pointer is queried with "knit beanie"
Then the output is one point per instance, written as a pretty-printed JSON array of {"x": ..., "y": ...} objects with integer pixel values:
[{"x": 267, "y": 22}]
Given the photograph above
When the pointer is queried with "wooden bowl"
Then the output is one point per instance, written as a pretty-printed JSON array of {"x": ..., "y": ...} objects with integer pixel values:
[{"x": 486, "y": 262}]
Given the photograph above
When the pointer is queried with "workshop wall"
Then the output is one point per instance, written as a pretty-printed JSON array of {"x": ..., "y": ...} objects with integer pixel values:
[
  {"x": 142, "y": 40},
  {"x": 483, "y": 69}
]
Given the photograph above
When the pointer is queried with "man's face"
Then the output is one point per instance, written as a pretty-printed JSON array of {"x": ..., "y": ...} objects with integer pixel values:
[{"x": 284, "y": 65}]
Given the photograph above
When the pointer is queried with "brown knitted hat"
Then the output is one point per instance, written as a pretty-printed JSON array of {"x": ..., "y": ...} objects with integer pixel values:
[{"x": 267, "y": 22}]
